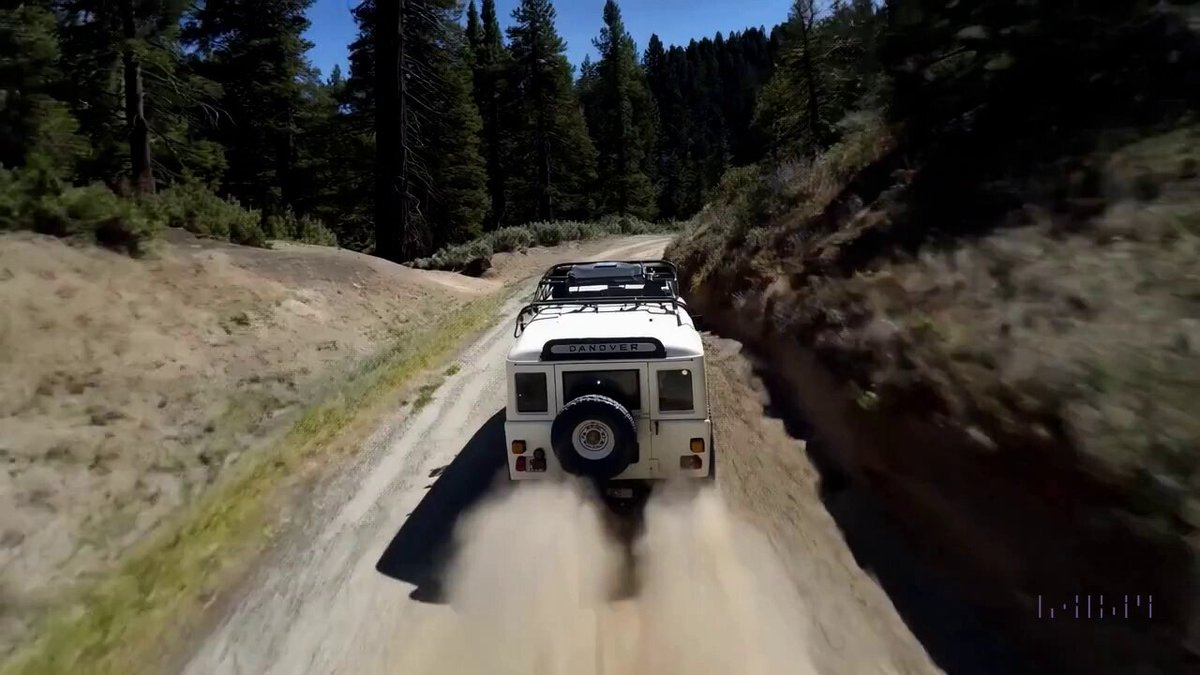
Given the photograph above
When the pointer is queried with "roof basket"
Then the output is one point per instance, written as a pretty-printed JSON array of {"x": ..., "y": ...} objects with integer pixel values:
[
  {"x": 641, "y": 270},
  {"x": 616, "y": 275}
]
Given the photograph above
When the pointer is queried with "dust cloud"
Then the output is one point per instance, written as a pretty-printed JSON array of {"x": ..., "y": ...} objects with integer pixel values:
[{"x": 536, "y": 588}]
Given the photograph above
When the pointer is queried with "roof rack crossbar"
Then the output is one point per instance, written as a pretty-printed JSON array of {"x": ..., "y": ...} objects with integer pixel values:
[
  {"x": 658, "y": 269},
  {"x": 534, "y": 308}
]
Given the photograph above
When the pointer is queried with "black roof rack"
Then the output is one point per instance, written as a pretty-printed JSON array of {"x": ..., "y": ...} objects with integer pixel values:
[
  {"x": 613, "y": 273},
  {"x": 640, "y": 270}
]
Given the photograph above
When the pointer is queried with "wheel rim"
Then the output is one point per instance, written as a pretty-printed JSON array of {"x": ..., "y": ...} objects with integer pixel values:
[{"x": 593, "y": 440}]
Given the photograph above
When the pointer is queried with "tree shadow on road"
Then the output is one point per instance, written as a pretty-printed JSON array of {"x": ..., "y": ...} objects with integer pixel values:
[{"x": 420, "y": 550}]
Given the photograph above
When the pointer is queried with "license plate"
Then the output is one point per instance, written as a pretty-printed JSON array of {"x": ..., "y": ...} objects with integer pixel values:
[{"x": 620, "y": 493}]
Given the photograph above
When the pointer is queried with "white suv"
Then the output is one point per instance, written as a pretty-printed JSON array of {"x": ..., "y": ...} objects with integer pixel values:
[{"x": 606, "y": 379}]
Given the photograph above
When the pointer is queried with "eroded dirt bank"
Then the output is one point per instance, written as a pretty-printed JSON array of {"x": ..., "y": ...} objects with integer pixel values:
[{"x": 1004, "y": 521}]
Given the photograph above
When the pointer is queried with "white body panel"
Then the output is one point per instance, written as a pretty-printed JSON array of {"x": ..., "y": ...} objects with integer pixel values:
[
  {"x": 663, "y": 436},
  {"x": 653, "y": 335},
  {"x": 670, "y": 325}
]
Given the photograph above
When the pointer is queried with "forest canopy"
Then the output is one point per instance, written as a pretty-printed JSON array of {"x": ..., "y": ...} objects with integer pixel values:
[{"x": 208, "y": 115}]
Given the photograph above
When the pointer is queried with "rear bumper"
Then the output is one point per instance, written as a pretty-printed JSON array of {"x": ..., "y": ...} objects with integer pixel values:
[{"x": 662, "y": 444}]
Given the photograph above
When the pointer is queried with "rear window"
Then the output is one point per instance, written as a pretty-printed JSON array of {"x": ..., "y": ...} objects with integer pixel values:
[
  {"x": 624, "y": 386},
  {"x": 531, "y": 392}
]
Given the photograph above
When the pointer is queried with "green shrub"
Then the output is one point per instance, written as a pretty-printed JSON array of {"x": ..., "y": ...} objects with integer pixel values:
[
  {"x": 247, "y": 231},
  {"x": 35, "y": 200},
  {"x": 571, "y": 231},
  {"x": 457, "y": 256},
  {"x": 304, "y": 229},
  {"x": 194, "y": 208},
  {"x": 549, "y": 234},
  {"x": 508, "y": 239}
]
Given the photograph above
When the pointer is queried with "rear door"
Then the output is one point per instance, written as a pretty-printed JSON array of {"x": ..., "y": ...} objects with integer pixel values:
[{"x": 631, "y": 379}]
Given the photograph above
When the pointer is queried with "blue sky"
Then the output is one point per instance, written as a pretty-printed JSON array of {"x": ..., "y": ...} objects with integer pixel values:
[{"x": 675, "y": 21}]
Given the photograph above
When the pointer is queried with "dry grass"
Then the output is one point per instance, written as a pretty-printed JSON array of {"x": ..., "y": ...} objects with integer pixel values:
[
  {"x": 124, "y": 620},
  {"x": 131, "y": 386}
]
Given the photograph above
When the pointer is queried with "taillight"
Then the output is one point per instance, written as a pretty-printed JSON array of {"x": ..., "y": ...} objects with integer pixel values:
[
  {"x": 690, "y": 462},
  {"x": 518, "y": 447},
  {"x": 697, "y": 445},
  {"x": 520, "y": 464},
  {"x": 538, "y": 463}
]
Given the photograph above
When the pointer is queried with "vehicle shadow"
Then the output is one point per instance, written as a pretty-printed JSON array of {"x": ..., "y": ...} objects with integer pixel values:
[
  {"x": 960, "y": 638},
  {"x": 421, "y": 548}
]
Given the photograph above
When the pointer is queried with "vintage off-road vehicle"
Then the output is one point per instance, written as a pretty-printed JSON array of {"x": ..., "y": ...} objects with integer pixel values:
[{"x": 606, "y": 379}]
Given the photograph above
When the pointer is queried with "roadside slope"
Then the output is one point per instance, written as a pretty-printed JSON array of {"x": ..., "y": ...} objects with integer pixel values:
[
  {"x": 134, "y": 387},
  {"x": 1016, "y": 383}
]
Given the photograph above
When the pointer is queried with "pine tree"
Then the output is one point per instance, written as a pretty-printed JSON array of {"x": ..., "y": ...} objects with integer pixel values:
[
  {"x": 796, "y": 108},
  {"x": 455, "y": 199},
  {"x": 474, "y": 29},
  {"x": 141, "y": 172},
  {"x": 665, "y": 85},
  {"x": 35, "y": 126},
  {"x": 551, "y": 155},
  {"x": 623, "y": 121},
  {"x": 326, "y": 150},
  {"x": 255, "y": 50},
  {"x": 491, "y": 65},
  {"x": 428, "y": 157},
  {"x": 103, "y": 41}
]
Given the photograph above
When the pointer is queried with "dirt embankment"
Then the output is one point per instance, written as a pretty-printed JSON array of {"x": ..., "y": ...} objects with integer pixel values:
[
  {"x": 131, "y": 386},
  {"x": 1022, "y": 400}
]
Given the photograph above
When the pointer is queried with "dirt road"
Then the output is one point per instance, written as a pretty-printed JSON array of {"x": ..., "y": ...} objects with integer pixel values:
[{"x": 752, "y": 577}]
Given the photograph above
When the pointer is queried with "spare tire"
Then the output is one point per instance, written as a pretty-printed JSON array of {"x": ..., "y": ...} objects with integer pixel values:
[{"x": 594, "y": 436}]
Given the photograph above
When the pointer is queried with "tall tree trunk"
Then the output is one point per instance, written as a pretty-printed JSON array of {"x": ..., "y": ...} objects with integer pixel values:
[
  {"x": 542, "y": 140},
  {"x": 495, "y": 160},
  {"x": 135, "y": 106},
  {"x": 391, "y": 163},
  {"x": 810, "y": 78},
  {"x": 285, "y": 160}
]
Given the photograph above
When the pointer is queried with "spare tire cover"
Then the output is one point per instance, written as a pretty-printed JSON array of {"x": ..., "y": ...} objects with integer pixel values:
[{"x": 594, "y": 436}]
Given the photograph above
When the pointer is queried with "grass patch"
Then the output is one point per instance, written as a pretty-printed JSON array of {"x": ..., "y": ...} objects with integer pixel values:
[
  {"x": 453, "y": 370},
  {"x": 122, "y": 623},
  {"x": 425, "y": 395}
]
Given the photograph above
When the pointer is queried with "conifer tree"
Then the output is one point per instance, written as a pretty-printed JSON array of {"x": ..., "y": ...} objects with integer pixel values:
[
  {"x": 432, "y": 163},
  {"x": 623, "y": 122},
  {"x": 35, "y": 126},
  {"x": 552, "y": 155},
  {"x": 491, "y": 66},
  {"x": 255, "y": 50}
]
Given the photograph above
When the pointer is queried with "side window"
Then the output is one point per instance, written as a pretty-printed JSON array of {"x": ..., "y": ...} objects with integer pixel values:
[
  {"x": 531, "y": 392},
  {"x": 675, "y": 390}
]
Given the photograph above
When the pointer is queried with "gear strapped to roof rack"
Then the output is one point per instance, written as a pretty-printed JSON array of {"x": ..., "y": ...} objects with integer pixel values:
[{"x": 657, "y": 282}]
